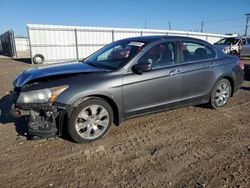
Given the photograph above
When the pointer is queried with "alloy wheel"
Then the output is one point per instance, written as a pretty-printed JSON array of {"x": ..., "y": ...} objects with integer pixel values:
[
  {"x": 222, "y": 94},
  {"x": 92, "y": 122}
]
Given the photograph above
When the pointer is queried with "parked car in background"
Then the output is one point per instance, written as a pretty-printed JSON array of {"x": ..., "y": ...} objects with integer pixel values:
[
  {"x": 231, "y": 45},
  {"x": 245, "y": 49},
  {"x": 127, "y": 78}
]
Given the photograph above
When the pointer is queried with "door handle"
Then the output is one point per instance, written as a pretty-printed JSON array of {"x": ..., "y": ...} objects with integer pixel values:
[
  {"x": 212, "y": 65},
  {"x": 174, "y": 72}
]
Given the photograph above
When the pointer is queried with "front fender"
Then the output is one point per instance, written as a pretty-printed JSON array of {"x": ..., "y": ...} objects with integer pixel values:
[{"x": 73, "y": 97}]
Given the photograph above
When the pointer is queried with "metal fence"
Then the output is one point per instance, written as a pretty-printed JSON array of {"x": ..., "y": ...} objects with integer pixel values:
[
  {"x": 7, "y": 41},
  {"x": 67, "y": 43}
]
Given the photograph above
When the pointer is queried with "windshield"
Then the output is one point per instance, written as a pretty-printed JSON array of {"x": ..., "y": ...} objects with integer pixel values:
[
  {"x": 227, "y": 41},
  {"x": 115, "y": 55}
]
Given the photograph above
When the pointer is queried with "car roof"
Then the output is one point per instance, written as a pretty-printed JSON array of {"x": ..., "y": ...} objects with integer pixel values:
[
  {"x": 236, "y": 37},
  {"x": 149, "y": 39}
]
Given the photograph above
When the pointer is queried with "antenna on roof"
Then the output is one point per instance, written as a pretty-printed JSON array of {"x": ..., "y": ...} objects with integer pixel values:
[
  {"x": 145, "y": 23},
  {"x": 202, "y": 25},
  {"x": 169, "y": 25}
]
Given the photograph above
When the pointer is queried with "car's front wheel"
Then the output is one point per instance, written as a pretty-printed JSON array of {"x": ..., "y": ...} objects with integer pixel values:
[
  {"x": 90, "y": 121},
  {"x": 221, "y": 93}
]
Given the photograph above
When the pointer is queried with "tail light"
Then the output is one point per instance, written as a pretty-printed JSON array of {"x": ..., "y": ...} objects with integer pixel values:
[{"x": 241, "y": 64}]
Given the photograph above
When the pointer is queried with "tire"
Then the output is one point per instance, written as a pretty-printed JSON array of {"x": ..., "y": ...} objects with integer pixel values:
[
  {"x": 90, "y": 121},
  {"x": 234, "y": 52},
  {"x": 221, "y": 94},
  {"x": 38, "y": 59}
]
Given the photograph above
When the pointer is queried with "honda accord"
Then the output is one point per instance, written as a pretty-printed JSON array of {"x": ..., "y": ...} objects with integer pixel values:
[{"x": 127, "y": 78}]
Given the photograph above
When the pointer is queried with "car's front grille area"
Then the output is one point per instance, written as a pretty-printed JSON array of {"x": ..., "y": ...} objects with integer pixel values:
[{"x": 35, "y": 106}]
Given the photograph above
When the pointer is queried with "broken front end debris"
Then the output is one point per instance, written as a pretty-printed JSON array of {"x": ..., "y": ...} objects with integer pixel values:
[{"x": 44, "y": 119}]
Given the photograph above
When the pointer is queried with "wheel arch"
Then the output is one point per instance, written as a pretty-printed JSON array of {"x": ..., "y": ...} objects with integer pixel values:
[
  {"x": 231, "y": 80},
  {"x": 109, "y": 100},
  {"x": 227, "y": 77}
]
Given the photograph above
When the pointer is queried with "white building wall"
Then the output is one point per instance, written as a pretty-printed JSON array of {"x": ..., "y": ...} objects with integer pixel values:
[
  {"x": 67, "y": 43},
  {"x": 22, "y": 44}
]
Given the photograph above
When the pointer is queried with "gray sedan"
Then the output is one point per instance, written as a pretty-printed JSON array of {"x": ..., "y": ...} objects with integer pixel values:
[{"x": 124, "y": 79}]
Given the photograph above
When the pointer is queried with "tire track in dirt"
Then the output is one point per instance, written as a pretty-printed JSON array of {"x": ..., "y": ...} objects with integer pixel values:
[{"x": 188, "y": 147}]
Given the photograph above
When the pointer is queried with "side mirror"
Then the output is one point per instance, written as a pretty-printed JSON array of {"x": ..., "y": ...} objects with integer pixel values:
[{"x": 141, "y": 67}]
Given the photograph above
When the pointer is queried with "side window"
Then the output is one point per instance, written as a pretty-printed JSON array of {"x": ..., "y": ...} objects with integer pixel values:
[
  {"x": 210, "y": 52},
  {"x": 248, "y": 41},
  {"x": 193, "y": 51},
  {"x": 160, "y": 55}
]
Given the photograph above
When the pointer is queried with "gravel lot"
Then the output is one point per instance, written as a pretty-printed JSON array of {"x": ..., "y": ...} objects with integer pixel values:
[{"x": 187, "y": 147}]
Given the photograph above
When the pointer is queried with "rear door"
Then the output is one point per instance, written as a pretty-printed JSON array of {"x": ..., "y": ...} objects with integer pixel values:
[{"x": 197, "y": 71}]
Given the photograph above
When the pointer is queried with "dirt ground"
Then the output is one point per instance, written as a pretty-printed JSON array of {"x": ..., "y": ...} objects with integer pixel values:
[{"x": 187, "y": 147}]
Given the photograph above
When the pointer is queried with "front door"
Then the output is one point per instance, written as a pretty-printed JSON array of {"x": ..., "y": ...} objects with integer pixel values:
[{"x": 156, "y": 89}]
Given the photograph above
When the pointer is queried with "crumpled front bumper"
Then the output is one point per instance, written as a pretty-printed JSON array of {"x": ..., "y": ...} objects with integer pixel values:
[{"x": 44, "y": 120}]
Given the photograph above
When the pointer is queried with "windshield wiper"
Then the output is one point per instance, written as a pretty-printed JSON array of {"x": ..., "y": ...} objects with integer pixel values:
[{"x": 91, "y": 64}]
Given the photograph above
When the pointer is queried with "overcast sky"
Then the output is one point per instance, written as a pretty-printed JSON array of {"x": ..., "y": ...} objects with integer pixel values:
[{"x": 219, "y": 16}]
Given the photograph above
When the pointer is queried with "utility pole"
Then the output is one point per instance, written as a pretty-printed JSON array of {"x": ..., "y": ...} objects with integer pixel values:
[
  {"x": 169, "y": 25},
  {"x": 145, "y": 23},
  {"x": 202, "y": 24},
  {"x": 247, "y": 23}
]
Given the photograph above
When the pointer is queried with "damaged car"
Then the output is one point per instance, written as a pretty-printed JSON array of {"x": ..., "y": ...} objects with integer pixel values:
[{"x": 127, "y": 78}]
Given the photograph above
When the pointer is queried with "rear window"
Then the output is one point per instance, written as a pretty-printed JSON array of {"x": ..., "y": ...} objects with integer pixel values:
[{"x": 193, "y": 51}]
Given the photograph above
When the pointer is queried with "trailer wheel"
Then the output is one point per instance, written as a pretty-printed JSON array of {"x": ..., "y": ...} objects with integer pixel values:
[{"x": 38, "y": 59}]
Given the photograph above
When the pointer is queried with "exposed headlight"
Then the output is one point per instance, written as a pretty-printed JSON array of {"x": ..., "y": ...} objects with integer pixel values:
[{"x": 41, "y": 96}]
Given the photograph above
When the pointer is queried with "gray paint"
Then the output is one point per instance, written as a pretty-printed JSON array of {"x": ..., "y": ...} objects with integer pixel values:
[{"x": 139, "y": 94}]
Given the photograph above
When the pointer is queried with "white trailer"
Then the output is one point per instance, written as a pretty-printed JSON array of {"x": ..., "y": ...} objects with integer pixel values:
[{"x": 58, "y": 43}]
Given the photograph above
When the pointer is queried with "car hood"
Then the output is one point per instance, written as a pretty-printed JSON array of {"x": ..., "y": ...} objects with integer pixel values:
[{"x": 54, "y": 70}]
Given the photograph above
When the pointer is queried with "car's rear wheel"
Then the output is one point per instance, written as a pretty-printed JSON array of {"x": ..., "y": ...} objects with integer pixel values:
[
  {"x": 90, "y": 121},
  {"x": 221, "y": 93}
]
